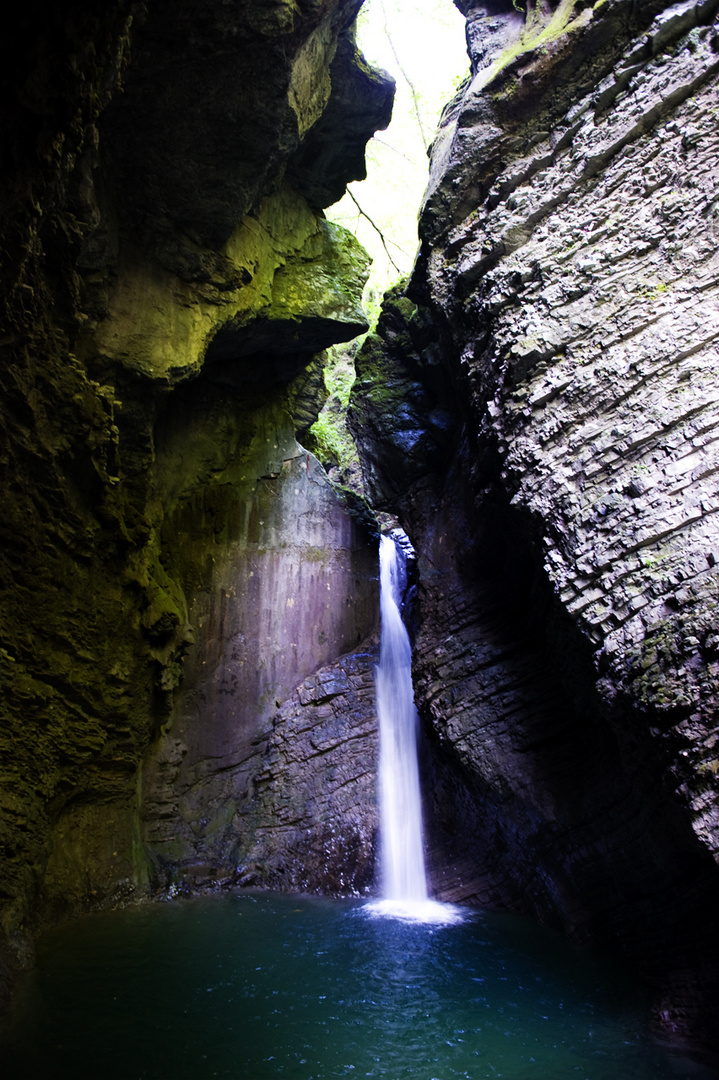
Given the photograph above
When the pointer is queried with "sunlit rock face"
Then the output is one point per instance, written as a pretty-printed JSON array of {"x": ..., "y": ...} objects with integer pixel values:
[
  {"x": 566, "y": 662},
  {"x": 283, "y": 582},
  {"x": 174, "y": 565}
]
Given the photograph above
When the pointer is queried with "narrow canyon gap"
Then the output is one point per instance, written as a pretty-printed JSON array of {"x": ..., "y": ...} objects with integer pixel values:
[{"x": 190, "y": 609}]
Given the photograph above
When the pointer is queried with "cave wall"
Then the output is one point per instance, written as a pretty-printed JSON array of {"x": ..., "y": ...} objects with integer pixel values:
[
  {"x": 185, "y": 596},
  {"x": 283, "y": 581},
  {"x": 565, "y": 664},
  {"x": 539, "y": 412}
]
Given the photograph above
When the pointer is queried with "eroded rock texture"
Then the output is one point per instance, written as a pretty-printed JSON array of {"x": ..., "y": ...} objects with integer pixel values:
[
  {"x": 566, "y": 662},
  {"x": 168, "y": 277}
]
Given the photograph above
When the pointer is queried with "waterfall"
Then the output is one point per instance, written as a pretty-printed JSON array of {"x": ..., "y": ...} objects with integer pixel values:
[
  {"x": 404, "y": 883},
  {"x": 403, "y": 874}
]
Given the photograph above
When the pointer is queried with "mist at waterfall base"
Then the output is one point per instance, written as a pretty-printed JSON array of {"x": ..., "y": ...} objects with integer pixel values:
[{"x": 257, "y": 986}]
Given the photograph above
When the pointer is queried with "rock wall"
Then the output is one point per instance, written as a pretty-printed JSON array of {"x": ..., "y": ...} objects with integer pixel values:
[
  {"x": 566, "y": 666},
  {"x": 174, "y": 565},
  {"x": 542, "y": 422},
  {"x": 286, "y": 585}
]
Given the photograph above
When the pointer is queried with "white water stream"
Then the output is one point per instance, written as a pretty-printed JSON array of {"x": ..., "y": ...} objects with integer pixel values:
[
  {"x": 404, "y": 884},
  {"x": 403, "y": 874}
]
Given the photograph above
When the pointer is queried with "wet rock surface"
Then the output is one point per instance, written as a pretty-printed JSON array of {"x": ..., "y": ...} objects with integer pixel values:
[
  {"x": 564, "y": 662},
  {"x": 283, "y": 581},
  {"x": 292, "y": 804},
  {"x": 402, "y": 410},
  {"x": 164, "y": 290},
  {"x": 542, "y": 423}
]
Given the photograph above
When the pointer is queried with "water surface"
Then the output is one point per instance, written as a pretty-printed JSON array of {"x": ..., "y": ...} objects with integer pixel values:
[{"x": 255, "y": 986}]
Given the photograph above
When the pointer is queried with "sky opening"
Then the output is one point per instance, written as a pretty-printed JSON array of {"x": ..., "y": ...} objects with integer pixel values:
[{"x": 421, "y": 44}]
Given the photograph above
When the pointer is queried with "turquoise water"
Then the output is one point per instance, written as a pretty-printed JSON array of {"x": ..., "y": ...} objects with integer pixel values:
[{"x": 256, "y": 986}]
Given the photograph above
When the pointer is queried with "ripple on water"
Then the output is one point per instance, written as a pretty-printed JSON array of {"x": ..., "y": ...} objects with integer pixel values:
[{"x": 261, "y": 987}]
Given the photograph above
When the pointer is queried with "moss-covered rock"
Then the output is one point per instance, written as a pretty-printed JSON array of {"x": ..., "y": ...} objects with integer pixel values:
[
  {"x": 402, "y": 413},
  {"x": 162, "y": 290}
]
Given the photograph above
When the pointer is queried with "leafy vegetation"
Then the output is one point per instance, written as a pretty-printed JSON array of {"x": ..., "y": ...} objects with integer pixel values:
[
  {"x": 329, "y": 438},
  {"x": 421, "y": 43}
]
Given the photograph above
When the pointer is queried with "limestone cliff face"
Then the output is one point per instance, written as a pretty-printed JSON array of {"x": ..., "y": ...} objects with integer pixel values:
[
  {"x": 175, "y": 567},
  {"x": 566, "y": 662},
  {"x": 189, "y": 608}
]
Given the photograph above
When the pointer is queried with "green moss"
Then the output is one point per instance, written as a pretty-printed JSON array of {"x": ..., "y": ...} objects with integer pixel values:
[
  {"x": 329, "y": 437},
  {"x": 162, "y": 616},
  {"x": 339, "y": 373},
  {"x": 285, "y": 263},
  {"x": 331, "y": 442},
  {"x": 325, "y": 280},
  {"x": 315, "y": 555},
  {"x": 535, "y": 35}
]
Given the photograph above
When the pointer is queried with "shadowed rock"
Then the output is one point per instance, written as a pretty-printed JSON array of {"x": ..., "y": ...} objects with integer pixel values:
[
  {"x": 164, "y": 289},
  {"x": 565, "y": 662}
]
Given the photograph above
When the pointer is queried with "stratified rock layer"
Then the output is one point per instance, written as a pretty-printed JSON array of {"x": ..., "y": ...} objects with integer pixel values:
[
  {"x": 286, "y": 584},
  {"x": 174, "y": 563},
  {"x": 566, "y": 661},
  {"x": 287, "y": 801}
]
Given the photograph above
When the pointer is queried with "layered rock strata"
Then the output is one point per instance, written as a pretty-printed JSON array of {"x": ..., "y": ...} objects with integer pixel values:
[
  {"x": 299, "y": 809},
  {"x": 174, "y": 564},
  {"x": 566, "y": 663}
]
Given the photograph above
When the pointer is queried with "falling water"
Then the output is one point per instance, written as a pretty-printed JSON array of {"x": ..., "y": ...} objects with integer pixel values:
[
  {"x": 403, "y": 874},
  {"x": 404, "y": 884}
]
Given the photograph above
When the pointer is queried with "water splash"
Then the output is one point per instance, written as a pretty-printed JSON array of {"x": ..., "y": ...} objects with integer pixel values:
[
  {"x": 416, "y": 911},
  {"x": 404, "y": 883}
]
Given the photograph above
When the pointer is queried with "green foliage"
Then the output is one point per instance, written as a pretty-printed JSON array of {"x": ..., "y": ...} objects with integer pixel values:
[
  {"x": 340, "y": 373},
  {"x": 329, "y": 438},
  {"x": 421, "y": 43},
  {"x": 328, "y": 443}
]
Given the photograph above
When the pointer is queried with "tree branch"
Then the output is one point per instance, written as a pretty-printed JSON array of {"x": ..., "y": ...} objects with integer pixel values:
[
  {"x": 395, "y": 150},
  {"x": 405, "y": 76},
  {"x": 378, "y": 231}
]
